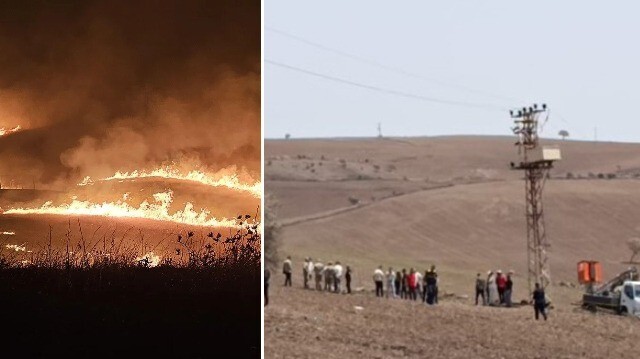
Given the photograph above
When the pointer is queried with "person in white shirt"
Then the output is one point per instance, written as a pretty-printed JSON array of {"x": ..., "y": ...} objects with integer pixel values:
[
  {"x": 419, "y": 284},
  {"x": 310, "y": 268},
  {"x": 318, "y": 269},
  {"x": 337, "y": 277},
  {"x": 286, "y": 270},
  {"x": 391, "y": 277},
  {"x": 378, "y": 279},
  {"x": 305, "y": 272}
]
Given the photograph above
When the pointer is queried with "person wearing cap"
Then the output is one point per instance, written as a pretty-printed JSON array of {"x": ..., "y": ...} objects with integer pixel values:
[
  {"x": 480, "y": 289},
  {"x": 508, "y": 289},
  {"x": 286, "y": 270}
]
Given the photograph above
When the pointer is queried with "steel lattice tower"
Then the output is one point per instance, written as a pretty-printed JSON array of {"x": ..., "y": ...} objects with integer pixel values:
[{"x": 536, "y": 169}]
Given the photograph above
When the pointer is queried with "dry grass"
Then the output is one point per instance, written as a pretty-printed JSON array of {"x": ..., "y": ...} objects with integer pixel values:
[{"x": 86, "y": 300}]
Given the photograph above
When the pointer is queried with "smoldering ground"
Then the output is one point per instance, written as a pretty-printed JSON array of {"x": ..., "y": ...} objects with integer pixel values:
[{"x": 102, "y": 86}]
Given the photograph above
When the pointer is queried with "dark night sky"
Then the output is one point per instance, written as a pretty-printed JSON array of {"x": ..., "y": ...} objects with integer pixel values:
[{"x": 110, "y": 85}]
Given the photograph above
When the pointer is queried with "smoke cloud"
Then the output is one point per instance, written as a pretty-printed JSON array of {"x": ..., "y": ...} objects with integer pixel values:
[{"x": 102, "y": 86}]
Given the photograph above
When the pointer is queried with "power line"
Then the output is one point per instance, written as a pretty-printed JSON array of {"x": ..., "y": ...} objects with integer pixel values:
[
  {"x": 385, "y": 90},
  {"x": 389, "y": 68}
]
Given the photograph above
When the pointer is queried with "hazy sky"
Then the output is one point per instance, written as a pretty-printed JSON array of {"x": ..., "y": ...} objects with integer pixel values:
[{"x": 580, "y": 57}]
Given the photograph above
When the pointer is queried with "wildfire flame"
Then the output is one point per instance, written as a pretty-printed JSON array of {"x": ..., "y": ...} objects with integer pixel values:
[
  {"x": 8, "y": 131},
  {"x": 154, "y": 211},
  {"x": 16, "y": 247},
  {"x": 218, "y": 179},
  {"x": 150, "y": 259},
  {"x": 9, "y": 233},
  {"x": 11, "y": 185}
]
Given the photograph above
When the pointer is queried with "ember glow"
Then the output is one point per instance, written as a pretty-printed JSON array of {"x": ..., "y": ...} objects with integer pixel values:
[
  {"x": 16, "y": 247},
  {"x": 150, "y": 259},
  {"x": 218, "y": 179},
  {"x": 8, "y": 131},
  {"x": 154, "y": 211}
]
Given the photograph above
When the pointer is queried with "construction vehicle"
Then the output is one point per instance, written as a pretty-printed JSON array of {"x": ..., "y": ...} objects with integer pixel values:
[{"x": 620, "y": 294}]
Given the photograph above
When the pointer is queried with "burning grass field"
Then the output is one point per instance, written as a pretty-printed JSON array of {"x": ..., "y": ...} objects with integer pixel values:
[
  {"x": 130, "y": 280},
  {"x": 61, "y": 302}
]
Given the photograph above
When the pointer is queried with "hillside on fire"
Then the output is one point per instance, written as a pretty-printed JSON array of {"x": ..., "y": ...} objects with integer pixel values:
[{"x": 130, "y": 185}]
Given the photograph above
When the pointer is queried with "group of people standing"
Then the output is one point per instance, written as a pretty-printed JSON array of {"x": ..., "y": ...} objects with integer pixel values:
[
  {"x": 327, "y": 277},
  {"x": 496, "y": 290},
  {"x": 407, "y": 285}
]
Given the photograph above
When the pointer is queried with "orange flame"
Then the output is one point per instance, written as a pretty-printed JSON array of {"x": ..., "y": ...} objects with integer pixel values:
[
  {"x": 8, "y": 131},
  {"x": 16, "y": 247},
  {"x": 218, "y": 179},
  {"x": 155, "y": 211},
  {"x": 150, "y": 259}
]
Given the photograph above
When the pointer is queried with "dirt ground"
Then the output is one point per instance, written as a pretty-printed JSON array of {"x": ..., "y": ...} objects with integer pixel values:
[{"x": 303, "y": 323}]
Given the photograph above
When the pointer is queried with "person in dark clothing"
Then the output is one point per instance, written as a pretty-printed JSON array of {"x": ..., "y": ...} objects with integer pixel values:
[
  {"x": 424, "y": 286},
  {"x": 480, "y": 287},
  {"x": 398, "y": 282},
  {"x": 404, "y": 285},
  {"x": 501, "y": 283},
  {"x": 539, "y": 302},
  {"x": 267, "y": 276},
  {"x": 431, "y": 279},
  {"x": 508, "y": 289},
  {"x": 347, "y": 278}
]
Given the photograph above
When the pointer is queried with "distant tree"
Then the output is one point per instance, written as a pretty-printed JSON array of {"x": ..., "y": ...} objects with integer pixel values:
[
  {"x": 287, "y": 136},
  {"x": 564, "y": 134},
  {"x": 634, "y": 247}
]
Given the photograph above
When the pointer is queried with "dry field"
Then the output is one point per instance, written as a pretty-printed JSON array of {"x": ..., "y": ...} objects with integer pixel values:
[
  {"x": 308, "y": 324},
  {"x": 452, "y": 202}
]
